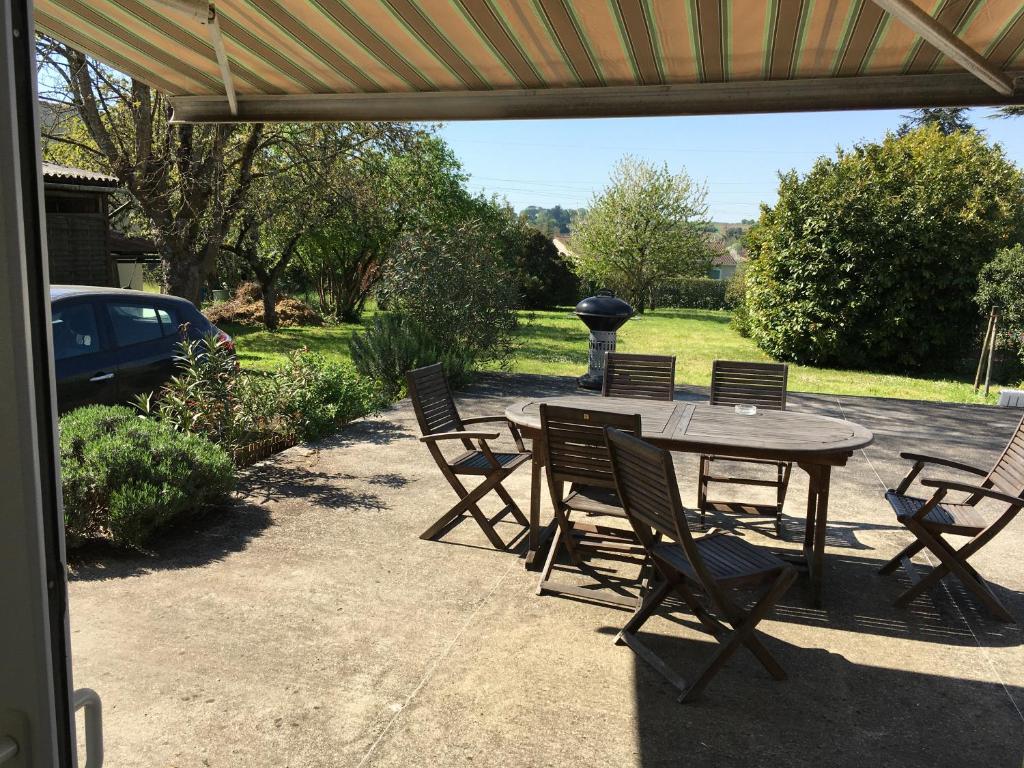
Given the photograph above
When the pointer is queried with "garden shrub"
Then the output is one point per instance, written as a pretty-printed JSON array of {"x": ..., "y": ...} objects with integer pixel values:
[
  {"x": 307, "y": 397},
  {"x": 692, "y": 293},
  {"x": 457, "y": 283},
  {"x": 547, "y": 280},
  {"x": 319, "y": 395},
  {"x": 1001, "y": 285},
  {"x": 393, "y": 344},
  {"x": 736, "y": 299},
  {"x": 871, "y": 259},
  {"x": 126, "y": 477}
]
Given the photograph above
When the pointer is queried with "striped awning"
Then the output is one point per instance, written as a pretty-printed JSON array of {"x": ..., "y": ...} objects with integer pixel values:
[{"x": 472, "y": 59}]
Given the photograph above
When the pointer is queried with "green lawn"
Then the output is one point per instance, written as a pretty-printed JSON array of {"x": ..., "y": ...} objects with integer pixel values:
[
  {"x": 263, "y": 350},
  {"x": 556, "y": 343}
]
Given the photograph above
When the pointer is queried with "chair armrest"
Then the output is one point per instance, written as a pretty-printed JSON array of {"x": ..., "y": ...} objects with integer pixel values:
[
  {"x": 516, "y": 435},
  {"x": 922, "y": 458},
  {"x": 464, "y": 435},
  {"x": 483, "y": 419},
  {"x": 973, "y": 490}
]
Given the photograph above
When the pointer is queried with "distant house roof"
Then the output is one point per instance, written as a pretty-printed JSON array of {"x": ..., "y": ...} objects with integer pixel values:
[
  {"x": 65, "y": 174},
  {"x": 562, "y": 245},
  {"x": 723, "y": 259}
]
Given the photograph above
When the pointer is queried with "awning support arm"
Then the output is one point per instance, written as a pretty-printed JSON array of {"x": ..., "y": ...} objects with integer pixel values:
[
  {"x": 948, "y": 43},
  {"x": 206, "y": 14},
  {"x": 213, "y": 28}
]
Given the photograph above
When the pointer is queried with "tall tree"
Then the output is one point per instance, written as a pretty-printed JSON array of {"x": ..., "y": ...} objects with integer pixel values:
[
  {"x": 1009, "y": 112},
  {"x": 948, "y": 120},
  {"x": 190, "y": 182},
  {"x": 647, "y": 226},
  {"x": 371, "y": 206},
  {"x": 302, "y": 185}
]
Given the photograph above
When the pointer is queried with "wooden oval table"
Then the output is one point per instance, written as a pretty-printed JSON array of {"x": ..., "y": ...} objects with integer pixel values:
[{"x": 814, "y": 443}]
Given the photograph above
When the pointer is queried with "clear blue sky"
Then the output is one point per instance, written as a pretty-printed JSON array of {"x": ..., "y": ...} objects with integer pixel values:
[{"x": 549, "y": 162}]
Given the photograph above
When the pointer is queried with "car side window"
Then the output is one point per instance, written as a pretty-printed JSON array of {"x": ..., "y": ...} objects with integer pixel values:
[
  {"x": 74, "y": 331},
  {"x": 169, "y": 322},
  {"x": 134, "y": 323}
]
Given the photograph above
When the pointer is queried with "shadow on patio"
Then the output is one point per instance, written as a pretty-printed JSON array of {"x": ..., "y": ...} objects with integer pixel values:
[{"x": 311, "y": 621}]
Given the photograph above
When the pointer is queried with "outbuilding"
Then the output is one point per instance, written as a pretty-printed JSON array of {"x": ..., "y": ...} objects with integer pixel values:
[{"x": 78, "y": 225}]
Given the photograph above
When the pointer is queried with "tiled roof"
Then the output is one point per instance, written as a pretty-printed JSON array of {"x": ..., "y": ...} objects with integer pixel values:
[{"x": 67, "y": 174}]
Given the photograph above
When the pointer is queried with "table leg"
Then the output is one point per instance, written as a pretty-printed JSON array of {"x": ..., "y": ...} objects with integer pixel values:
[
  {"x": 819, "y": 476},
  {"x": 537, "y": 537}
]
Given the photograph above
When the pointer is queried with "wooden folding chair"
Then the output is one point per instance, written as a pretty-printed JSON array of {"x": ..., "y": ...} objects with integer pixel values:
[
  {"x": 575, "y": 453},
  {"x": 439, "y": 421},
  {"x": 932, "y": 519},
  {"x": 715, "y": 564},
  {"x": 742, "y": 383},
  {"x": 650, "y": 377}
]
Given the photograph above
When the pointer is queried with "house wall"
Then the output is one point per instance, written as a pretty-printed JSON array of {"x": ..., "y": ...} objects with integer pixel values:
[
  {"x": 723, "y": 272},
  {"x": 76, "y": 233}
]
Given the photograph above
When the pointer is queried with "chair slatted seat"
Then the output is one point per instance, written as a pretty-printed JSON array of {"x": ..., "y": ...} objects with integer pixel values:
[
  {"x": 960, "y": 519},
  {"x": 931, "y": 519},
  {"x": 439, "y": 421},
  {"x": 576, "y": 455},
  {"x": 649, "y": 377},
  {"x": 745, "y": 383},
  {"x": 478, "y": 463},
  {"x": 711, "y": 565}
]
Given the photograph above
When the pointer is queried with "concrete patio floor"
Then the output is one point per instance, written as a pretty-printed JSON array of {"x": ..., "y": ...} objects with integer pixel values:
[{"x": 310, "y": 626}]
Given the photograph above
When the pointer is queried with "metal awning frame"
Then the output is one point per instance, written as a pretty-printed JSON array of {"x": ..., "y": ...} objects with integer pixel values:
[{"x": 811, "y": 95}]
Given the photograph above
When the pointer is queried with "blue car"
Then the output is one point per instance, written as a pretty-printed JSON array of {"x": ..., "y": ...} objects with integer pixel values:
[{"x": 111, "y": 344}]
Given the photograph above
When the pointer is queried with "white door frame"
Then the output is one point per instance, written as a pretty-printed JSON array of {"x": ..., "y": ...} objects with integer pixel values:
[{"x": 35, "y": 676}]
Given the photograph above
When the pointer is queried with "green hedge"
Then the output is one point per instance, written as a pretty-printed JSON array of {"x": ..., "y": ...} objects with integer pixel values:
[
  {"x": 693, "y": 293},
  {"x": 871, "y": 259},
  {"x": 126, "y": 477}
]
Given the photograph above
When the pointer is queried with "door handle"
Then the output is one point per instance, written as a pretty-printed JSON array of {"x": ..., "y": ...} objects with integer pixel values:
[
  {"x": 8, "y": 748},
  {"x": 89, "y": 700},
  {"x": 102, "y": 377}
]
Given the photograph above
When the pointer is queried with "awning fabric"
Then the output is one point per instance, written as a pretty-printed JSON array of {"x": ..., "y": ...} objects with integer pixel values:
[{"x": 451, "y": 59}]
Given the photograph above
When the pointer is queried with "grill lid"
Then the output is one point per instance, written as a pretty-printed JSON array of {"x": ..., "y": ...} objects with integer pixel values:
[{"x": 604, "y": 311}]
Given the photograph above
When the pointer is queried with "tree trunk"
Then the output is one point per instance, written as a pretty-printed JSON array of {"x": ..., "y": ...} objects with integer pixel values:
[
  {"x": 183, "y": 274},
  {"x": 269, "y": 304}
]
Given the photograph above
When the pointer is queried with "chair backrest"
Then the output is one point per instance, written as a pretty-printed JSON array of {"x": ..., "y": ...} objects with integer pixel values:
[
  {"x": 575, "y": 450},
  {"x": 432, "y": 400},
  {"x": 1007, "y": 474},
  {"x": 645, "y": 480},
  {"x": 760, "y": 384},
  {"x": 651, "y": 377}
]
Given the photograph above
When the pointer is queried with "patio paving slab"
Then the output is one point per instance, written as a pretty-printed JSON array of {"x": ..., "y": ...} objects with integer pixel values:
[{"x": 310, "y": 626}]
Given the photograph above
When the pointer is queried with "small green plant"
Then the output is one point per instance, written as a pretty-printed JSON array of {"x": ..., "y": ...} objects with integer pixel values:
[
  {"x": 125, "y": 477},
  {"x": 199, "y": 398},
  {"x": 318, "y": 395},
  {"x": 394, "y": 344},
  {"x": 307, "y": 397}
]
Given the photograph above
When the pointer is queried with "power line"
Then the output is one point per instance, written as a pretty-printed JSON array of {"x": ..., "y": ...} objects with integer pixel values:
[{"x": 634, "y": 148}]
